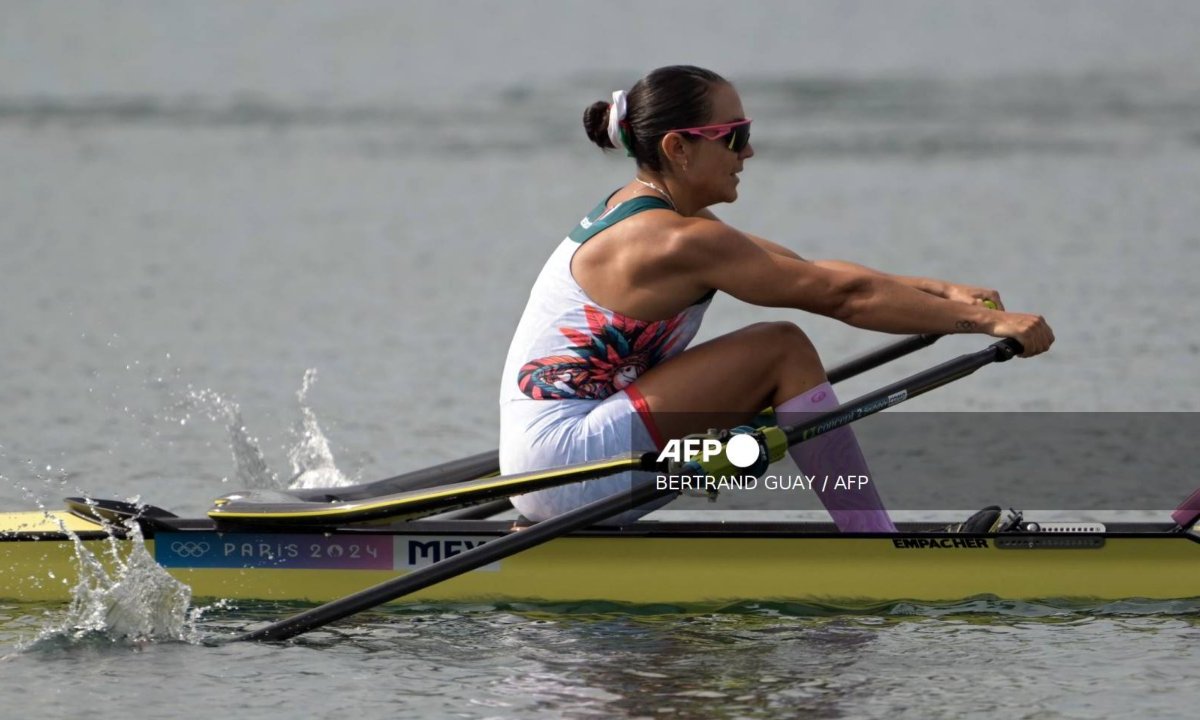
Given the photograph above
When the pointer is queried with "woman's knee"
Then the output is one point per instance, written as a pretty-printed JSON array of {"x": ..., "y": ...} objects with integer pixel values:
[{"x": 787, "y": 339}]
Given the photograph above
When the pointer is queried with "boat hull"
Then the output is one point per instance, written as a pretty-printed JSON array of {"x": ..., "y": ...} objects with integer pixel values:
[{"x": 658, "y": 563}]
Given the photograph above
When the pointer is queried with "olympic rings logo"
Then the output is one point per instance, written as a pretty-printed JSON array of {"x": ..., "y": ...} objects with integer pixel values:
[{"x": 189, "y": 549}]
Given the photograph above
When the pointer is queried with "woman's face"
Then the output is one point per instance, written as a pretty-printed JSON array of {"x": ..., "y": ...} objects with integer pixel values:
[{"x": 709, "y": 167}]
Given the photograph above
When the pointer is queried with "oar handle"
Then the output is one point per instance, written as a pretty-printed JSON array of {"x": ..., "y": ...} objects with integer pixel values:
[{"x": 1007, "y": 349}]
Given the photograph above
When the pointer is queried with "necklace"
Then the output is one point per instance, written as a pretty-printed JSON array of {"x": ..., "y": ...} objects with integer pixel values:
[{"x": 660, "y": 191}]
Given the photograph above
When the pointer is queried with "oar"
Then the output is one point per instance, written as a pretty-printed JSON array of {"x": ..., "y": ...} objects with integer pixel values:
[
  {"x": 879, "y": 356},
  {"x": 844, "y": 371},
  {"x": 905, "y": 389},
  {"x": 643, "y": 491},
  {"x": 488, "y": 462}
]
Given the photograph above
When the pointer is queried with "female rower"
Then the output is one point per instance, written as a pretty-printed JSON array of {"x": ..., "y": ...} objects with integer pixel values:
[{"x": 600, "y": 365}]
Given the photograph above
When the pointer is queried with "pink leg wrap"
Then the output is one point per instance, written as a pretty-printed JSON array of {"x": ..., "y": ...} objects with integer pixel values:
[
  {"x": 1186, "y": 513},
  {"x": 836, "y": 453}
]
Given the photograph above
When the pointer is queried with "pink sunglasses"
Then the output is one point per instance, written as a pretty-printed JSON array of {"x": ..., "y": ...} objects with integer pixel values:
[{"x": 738, "y": 130}]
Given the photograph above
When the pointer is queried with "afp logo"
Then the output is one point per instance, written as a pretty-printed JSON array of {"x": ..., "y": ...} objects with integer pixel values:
[{"x": 742, "y": 450}]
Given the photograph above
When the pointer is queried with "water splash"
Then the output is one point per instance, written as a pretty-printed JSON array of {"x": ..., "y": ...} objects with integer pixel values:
[
  {"x": 125, "y": 597},
  {"x": 311, "y": 457},
  {"x": 252, "y": 471}
]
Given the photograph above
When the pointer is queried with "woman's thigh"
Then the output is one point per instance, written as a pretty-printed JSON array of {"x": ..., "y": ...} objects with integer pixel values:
[{"x": 729, "y": 379}]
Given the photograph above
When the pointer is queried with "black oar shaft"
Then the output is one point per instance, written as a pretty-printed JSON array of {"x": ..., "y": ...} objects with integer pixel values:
[
  {"x": 905, "y": 389},
  {"x": 488, "y": 463},
  {"x": 879, "y": 356},
  {"x": 643, "y": 492}
]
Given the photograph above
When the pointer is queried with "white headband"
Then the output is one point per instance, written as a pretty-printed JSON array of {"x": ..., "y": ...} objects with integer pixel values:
[{"x": 616, "y": 113}]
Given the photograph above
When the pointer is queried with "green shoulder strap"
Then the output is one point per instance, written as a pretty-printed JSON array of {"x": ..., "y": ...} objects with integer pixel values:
[{"x": 598, "y": 220}]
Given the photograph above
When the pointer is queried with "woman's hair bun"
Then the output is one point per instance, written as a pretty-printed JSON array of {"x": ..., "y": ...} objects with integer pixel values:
[{"x": 595, "y": 123}]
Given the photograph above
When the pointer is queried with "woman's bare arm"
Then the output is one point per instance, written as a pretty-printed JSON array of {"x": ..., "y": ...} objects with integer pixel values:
[{"x": 714, "y": 255}]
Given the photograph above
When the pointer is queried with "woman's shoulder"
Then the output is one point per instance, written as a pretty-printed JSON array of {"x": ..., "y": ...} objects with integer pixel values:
[{"x": 699, "y": 235}]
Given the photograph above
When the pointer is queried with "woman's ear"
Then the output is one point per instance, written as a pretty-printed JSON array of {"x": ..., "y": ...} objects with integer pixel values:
[{"x": 674, "y": 150}]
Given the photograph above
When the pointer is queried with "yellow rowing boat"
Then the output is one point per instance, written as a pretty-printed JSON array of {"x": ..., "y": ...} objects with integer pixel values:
[{"x": 673, "y": 562}]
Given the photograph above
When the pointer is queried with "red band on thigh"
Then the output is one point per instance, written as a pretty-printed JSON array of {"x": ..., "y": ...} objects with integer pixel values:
[{"x": 643, "y": 411}]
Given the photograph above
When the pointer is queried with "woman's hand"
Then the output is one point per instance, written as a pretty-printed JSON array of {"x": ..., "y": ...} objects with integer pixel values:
[
  {"x": 971, "y": 295},
  {"x": 1032, "y": 331}
]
